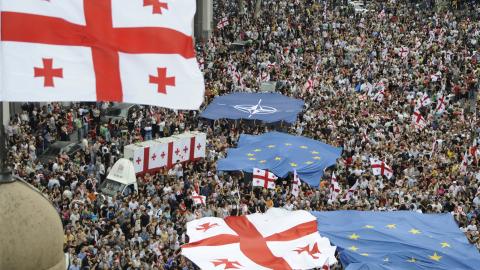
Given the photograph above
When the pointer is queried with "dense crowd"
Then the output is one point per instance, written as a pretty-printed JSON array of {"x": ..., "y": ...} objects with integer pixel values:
[{"x": 362, "y": 75}]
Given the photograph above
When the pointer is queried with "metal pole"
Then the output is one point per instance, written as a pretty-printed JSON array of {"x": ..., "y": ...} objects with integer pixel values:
[{"x": 5, "y": 173}]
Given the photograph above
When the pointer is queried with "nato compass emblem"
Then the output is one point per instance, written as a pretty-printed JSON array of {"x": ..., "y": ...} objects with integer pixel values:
[{"x": 255, "y": 109}]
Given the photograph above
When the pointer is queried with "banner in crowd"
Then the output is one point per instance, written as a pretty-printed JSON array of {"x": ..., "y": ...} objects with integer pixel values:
[
  {"x": 278, "y": 239},
  {"x": 266, "y": 107},
  {"x": 153, "y": 155},
  {"x": 103, "y": 50},
  {"x": 281, "y": 154},
  {"x": 398, "y": 240}
]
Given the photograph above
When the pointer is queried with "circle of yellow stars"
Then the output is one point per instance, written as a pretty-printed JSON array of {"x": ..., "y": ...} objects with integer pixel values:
[
  {"x": 434, "y": 257},
  {"x": 252, "y": 155}
]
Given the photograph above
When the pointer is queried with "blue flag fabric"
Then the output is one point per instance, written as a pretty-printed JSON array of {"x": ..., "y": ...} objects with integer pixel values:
[
  {"x": 267, "y": 107},
  {"x": 398, "y": 241},
  {"x": 281, "y": 154}
]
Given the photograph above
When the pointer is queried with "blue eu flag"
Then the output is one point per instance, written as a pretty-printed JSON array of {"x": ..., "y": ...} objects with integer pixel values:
[
  {"x": 398, "y": 241},
  {"x": 281, "y": 154}
]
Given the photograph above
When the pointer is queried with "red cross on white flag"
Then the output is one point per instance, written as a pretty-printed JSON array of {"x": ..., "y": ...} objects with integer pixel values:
[
  {"x": 198, "y": 199},
  {"x": 278, "y": 239},
  {"x": 151, "y": 156},
  {"x": 418, "y": 120},
  {"x": 296, "y": 184},
  {"x": 222, "y": 23},
  {"x": 138, "y": 51},
  {"x": 380, "y": 168},
  {"x": 441, "y": 104},
  {"x": 263, "y": 178},
  {"x": 335, "y": 188}
]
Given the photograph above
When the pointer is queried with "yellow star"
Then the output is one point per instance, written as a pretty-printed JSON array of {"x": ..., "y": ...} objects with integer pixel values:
[
  {"x": 316, "y": 157},
  {"x": 353, "y": 248},
  {"x": 364, "y": 254},
  {"x": 392, "y": 226},
  {"x": 435, "y": 257},
  {"x": 445, "y": 244},
  {"x": 250, "y": 154},
  {"x": 293, "y": 164},
  {"x": 309, "y": 162},
  {"x": 368, "y": 227},
  {"x": 262, "y": 161},
  {"x": 288, "y": 144},
  {"x": 258, "y": 150},
  {"x": 354, "y": 236},
  {"x": 414, "y": 231},
  {"x": 252, "y": 158},
  {"x": 271, "y": 146},
  {"x": 278, "y": 158},
  {"x": 412, "y": 260},
  {"x": 315, "y": 152},
  {"x": 304, "y": 147}
]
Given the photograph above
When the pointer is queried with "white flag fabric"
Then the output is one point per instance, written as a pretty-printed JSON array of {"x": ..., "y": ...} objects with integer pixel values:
[
  {"x": 198, "y": 199},
  {"x": 335, "y": 188},
  {"x": 150, "y": 156},
  {"x": 263, "y": 178},
  {"x": 136, "y": 153},
  {"x": 200, "y": 145},
  {"x": 296, "y": 184},
  {"x": 441, "y": 104},
  {"x": 104, "y": 50},
  {"x": 464, "y": 164},
  {"x": 418, "y": 120},
  {"x": 181, "y": 148},
  {"x": 222, "y": 23},
  {"x": 278, "y": 239},
  {"x": 380, "y": 168},
  {"x": 423, "y": 101},
  {"x": 349, "y": 194},
  {"x": 158, "y": 155}
]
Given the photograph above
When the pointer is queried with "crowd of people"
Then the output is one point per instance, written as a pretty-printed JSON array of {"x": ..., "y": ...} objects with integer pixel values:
[{"x": 366, "y": 78}]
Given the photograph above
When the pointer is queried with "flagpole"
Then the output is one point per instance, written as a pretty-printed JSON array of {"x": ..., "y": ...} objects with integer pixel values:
[{"x": 5, "y": 174}]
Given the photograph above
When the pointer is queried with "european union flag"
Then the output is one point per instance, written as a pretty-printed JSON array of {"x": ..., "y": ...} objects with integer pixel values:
[
  {"x": 398, "y": 241},
  {"x": 267, "y": 107},
  {"x": 281, "y": 154}
]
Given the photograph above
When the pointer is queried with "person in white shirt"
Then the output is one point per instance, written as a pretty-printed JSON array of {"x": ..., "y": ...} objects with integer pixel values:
[{"x": 476, "y": 201}]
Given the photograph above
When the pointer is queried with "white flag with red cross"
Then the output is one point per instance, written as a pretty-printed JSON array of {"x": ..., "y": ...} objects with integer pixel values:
[
  {"x": 158, "y": 153},
  {"x": 150, "y": 156},
  {"x": 296, "y": 184},
  {"x": 335, "y": 188},
  {"x": 381, "y": 15},
  {"x": 199, "y": 144},
  {"x": 278, "y": 239},
  {"x": 464, "y": 164},
  {"x": 423, "y": 101},
  {"x": 309, "y": 85},
  {"x": 380, "y": 168},
  {"x": 198, "y": 199},
  {"x": 135, "y": 51},
  {"x": 138, "y": 158},
  {"x": 350, "y": 192},
  {"x": 441, "y": 104},
  {"x": 222, "y": 23},
  {"x": 403, "y": 52},
  {"x": 263, "y": 178},
  {"x": 418, "y": 120},
  {"x": 182, "y": 147}
]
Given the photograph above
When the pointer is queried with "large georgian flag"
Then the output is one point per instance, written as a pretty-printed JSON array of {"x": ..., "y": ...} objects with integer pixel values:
[
  {"x": 278, "y": 239},
  {"x": 136, "y": 51}
]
